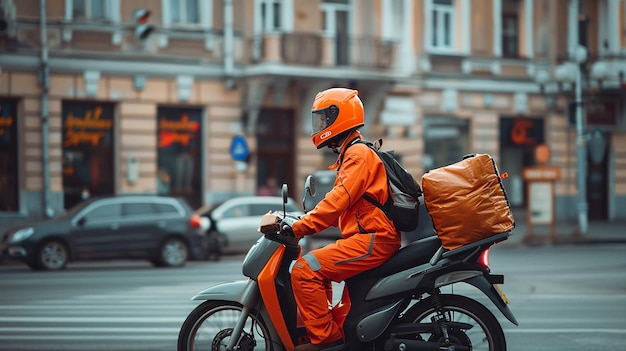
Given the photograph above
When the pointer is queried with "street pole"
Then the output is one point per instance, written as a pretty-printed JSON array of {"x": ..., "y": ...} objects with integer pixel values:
[{"x": 581, "y": 151}]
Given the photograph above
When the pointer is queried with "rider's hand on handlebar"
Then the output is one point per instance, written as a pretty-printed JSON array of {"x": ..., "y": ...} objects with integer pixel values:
[
  {"x": 286, "y": 223},
  {"x": 276, "y": 223}
]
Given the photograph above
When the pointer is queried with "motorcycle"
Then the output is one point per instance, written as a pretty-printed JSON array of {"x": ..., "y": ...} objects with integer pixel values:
[{"x": 396, "y": 306}]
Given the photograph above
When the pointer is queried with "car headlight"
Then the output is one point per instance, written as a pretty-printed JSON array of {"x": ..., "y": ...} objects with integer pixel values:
[{"x": 22, "y": 234}]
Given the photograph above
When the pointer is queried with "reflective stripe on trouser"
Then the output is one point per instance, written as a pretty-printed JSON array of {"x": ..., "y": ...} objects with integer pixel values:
[{"x": 334, "y": 262}]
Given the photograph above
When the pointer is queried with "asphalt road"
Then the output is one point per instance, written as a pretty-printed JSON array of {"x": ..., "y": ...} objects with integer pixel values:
[{"x": 565, "y": 298}]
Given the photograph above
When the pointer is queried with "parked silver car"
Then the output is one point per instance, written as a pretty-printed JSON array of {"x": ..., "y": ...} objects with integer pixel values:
[{"x": 232, "y": 225}]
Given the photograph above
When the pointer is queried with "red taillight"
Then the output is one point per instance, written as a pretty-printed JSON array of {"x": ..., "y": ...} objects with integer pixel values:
[
  {"x": 195, "y": 221},
  {"x": 484, "y": 258}
]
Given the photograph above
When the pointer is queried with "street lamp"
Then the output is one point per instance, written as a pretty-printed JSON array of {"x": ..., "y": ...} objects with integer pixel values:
[{"x": 563, "y": 74}]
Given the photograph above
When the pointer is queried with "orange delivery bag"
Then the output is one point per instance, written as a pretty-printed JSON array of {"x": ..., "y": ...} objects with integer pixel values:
[{"x": 467, "y": 201}]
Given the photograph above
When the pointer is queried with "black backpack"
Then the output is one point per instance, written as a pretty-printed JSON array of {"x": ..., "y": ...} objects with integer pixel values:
[{"x": 402, "y": 205}]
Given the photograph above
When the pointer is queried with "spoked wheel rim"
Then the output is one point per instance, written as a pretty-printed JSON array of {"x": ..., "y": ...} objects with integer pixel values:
[
  {"x": 212, "y": 331},
  {"x": 484, "y": 335},
  {"x": 476, "y": 339},
  {"x": 53, "y": 255},
  {"x": 174, "y": 252}
]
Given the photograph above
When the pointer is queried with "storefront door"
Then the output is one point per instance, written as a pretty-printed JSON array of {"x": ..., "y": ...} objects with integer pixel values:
[
  {"x": 598, "y": 175},
  {"x": 8, "y": 156},
  {"x": 275, "y": 147}
]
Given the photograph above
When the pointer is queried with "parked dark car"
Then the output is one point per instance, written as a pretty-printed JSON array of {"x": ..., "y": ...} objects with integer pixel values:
[{"x": 161, "y": 229}]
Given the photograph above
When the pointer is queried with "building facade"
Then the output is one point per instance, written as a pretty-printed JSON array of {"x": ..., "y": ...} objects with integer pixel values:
[{"x": 96, "y": 101}]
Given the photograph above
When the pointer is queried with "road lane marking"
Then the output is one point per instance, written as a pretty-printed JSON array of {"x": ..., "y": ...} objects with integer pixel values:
[{"x": 563, "y": 331}]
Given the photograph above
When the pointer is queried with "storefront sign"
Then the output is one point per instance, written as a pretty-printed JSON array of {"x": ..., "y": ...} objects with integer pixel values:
[
  {"x": 179, "y": 129},
  {"x": 87, "y": 124},
  {"x": 544, "y": 173},
  {"x": 602, "y": 111},
  {"x": 521, "y": 131}
]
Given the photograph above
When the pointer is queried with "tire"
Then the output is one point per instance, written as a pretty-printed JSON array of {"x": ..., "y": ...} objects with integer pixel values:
[
  {"x": 173, "y": 252},
  {"x": 209, "y": 326},
  {"x": 485, "y": 335},
  {"x": 51, "y": 255}
]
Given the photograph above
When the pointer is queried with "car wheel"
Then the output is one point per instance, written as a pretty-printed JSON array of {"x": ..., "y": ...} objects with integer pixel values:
[
  {"x": 215, "y": 245},
  {"x": 52, "y": 255},
  {"x": 173, "y": 253}
]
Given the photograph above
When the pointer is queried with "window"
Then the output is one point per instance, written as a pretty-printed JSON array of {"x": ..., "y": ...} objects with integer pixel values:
[
  {"x": 446, "y": 141},
  {"x": 88, "y": 9},
  {"x": 137, "y": 209},
  {"x": 510, "y": 28},
  {"x": 104, "y": 212},
  {"x": 178, "y": 152},
  {"x": 261, "y": 209},
  {"x": 236, "y": 211},
  {"x": 442, "y": 30},
  {"x": 87, "y": 148},
  {"x": 270, "y": 15},
  {"x": 184, "y": 11},
  {"x": 165, "y": 209}
]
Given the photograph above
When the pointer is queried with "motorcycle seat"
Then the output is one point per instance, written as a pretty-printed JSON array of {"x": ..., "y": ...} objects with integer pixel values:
[{"x": 411, "y": 255}]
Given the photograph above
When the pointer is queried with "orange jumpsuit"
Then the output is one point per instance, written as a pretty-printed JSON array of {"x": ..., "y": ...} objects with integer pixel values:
[{"x": 369, "y": 237}]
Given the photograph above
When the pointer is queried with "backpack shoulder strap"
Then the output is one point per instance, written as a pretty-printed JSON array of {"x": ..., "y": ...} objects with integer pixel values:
[{"x": 376, "y": 148}]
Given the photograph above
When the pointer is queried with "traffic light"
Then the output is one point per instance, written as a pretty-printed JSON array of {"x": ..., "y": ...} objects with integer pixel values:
[{"x": 142, "y": 28}]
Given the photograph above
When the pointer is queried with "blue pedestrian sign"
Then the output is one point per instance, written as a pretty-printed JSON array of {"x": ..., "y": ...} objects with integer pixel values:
[{"x": 239, "y": 148}]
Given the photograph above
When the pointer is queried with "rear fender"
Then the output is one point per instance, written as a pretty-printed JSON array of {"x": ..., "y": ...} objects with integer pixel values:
[
  {"x": 245, "y": 292},
  {"x": 481, "y": 283}
]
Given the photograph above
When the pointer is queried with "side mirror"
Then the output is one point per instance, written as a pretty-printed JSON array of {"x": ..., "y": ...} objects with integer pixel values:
[
  {"x": 309, "y": 190},
  {"x": 285, "y": 193},
  {"x": 309, "y": 185}
]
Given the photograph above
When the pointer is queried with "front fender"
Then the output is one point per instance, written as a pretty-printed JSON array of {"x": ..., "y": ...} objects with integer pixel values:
[
  {"x": 238, "y": 291},
  {"x": 487, "y": 288}
]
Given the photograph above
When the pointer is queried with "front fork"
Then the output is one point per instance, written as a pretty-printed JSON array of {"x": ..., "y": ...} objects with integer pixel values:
[{"x": 249, "y": 297}]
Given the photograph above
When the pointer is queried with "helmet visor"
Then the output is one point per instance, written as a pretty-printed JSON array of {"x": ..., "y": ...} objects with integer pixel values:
[{"x": 323, "y": 118}]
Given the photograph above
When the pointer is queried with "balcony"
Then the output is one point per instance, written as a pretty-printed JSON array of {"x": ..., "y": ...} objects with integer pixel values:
[{"x": 313, "y": 50}]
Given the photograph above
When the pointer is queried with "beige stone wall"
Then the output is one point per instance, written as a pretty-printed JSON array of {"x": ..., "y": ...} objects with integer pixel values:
[
  {"x": 619, "y": 145},
  {"x": 135, "y": 126},
  {"x": 482, "y": 28}
]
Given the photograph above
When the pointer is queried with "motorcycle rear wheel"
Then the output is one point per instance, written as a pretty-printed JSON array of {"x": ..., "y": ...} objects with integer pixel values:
[
  {"x": 209, "y": 326},
  {"x": 485, "y": 335}
]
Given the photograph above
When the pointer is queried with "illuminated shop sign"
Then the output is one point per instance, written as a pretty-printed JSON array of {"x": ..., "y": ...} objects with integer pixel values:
[
  {"x": 521, "y": 131},
  {"x": 85, "y": 124}
]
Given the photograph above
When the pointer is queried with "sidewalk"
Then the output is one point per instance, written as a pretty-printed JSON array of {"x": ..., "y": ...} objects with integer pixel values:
[{"x": 565, "y": 232}]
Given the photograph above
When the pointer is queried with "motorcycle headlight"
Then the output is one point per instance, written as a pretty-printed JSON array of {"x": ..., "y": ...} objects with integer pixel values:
[{"x": 22, "y": 234}]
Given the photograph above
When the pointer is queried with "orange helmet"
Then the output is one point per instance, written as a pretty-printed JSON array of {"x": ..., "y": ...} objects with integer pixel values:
[{"x": 335, "y": 111}]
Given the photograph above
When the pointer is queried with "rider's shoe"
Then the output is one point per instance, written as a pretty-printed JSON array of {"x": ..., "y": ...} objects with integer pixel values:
[{"x": 317, "y": 347}]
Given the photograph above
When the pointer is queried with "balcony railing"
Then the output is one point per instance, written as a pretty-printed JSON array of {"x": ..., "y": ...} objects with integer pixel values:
[{"x": 310, "y": 49}]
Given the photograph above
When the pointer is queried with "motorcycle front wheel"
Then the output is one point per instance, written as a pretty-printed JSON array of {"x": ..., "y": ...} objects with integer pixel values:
[
  {"x": 209, "y": 327},
  {"x": 485, "y": 335}
]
